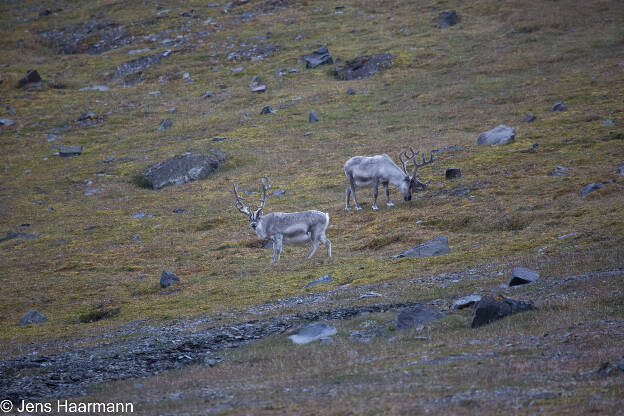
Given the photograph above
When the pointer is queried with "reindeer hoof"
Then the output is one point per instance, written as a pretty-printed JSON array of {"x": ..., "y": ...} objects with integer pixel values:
[
  {"x": 390, "y": 204},
  {"x": 375, "y": 208},
  {"x": 347, "y": 208},
  {"x": 358, "y": 208}
]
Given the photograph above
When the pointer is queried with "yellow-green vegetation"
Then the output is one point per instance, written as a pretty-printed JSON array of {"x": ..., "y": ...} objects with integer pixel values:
[{"x": 445, "y": 87}]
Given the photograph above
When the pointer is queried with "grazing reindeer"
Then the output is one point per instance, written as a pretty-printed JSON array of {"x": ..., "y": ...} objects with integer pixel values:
[
  {"x": 371, "y": 171},
  {"x": 287, "y": 227}
]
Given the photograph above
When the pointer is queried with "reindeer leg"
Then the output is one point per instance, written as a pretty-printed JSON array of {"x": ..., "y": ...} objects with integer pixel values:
[
  {"x": 348, "y": 206},
  {"x": 385, "y": 185},
  {"x": 315, "y": 240},
  {"x": 277, "y": 247},
  {"x": 352, "y": 183},
  {"x": 327, "y": 243},
  {"x": 274, "y": 247},
  {"x": 375, "y": 193}
]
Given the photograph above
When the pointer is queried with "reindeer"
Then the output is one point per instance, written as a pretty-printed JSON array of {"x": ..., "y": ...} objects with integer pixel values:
[
  {"x": 372, "y": 170},
  {"x": 287, "y": 227}
]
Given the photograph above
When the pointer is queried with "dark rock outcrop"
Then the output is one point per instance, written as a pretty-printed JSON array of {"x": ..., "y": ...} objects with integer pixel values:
[
  {"x": 447, "y": 19},
  {"x": 167, "y": 279},
  {"x": 522, "y": 276},
  {"x": 491, "y": 308},
  {"x": 31, "y": 76},
  {"x": 32, "y": 317},
  {"x": 312, "y": 117},
  {"x": 182, "y": 169},
  {"x": 363, "y": 66},
  {"x": 321, "y": 56},
  {"x": 452, "y": 173},
  {"x": 560, "y": 106}
]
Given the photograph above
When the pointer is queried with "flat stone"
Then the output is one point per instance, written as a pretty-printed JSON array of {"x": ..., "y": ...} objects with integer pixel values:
[
  {"x": 312, "y": 332},
  {"x": 11, "y": 235},
  {"x": 102, "y": 88},
  {"x": 312, "y": 117},
  {"x": 219, "y": 139},
  {"x": 185, "y": 168},
  {"x": 436, "y": 247},
  {"x": 279, "y": 192},
  {"x": 370, "y": 295},
  {"x": 32, "y": 317},
  {"x": 167, "y": 279},
  {"x": 522, "y": 276},
  {"x": 621, "y": 170},
  {"x": 587, "y": 189},
  {"x": 68, "y": 151},
  {"x": 321, "y": 56},
  {"x": 560, "y": 106},
  {"x": 323, "y": 279},
  {"x": 452, "y": 173},
  {"x": 363, "y": 66},
  {"x": 491, "y": 308},
  {"x": 447, "y": 19},
  {"x": 6, "y": 122},
  {"x": 529, "y": 118},
  {"x": 259, "y": 88},
  {"x": 559, "y": 171},
  {"x": 500, "y": 134},
  {"x": 465, "y": 301},
  {"x": 416, "y": 315},
  {"x": 141, "y": 214}
]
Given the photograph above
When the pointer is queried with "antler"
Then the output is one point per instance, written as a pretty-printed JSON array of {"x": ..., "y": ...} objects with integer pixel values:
[
  {"x": 424, "y": 162},
  {"x": 265, "y": 187},
  {"x": 409, "y": 159},
  {"x": 239, "y": 201}
]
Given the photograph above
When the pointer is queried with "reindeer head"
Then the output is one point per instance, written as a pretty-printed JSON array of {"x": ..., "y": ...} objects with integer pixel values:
[
  {"x": 254, "y": 216},
  {"x": 412, "y": 183}
]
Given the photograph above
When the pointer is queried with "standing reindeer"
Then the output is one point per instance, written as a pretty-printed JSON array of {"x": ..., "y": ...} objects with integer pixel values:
[
  {"x": 371, "y": 171},
  {"x": 287, "y": 227}
]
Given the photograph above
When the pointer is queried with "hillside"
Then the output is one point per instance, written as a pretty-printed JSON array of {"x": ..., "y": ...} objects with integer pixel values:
[{"x": 83, "y": 258}]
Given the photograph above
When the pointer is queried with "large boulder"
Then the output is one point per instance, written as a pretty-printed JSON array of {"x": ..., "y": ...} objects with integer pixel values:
[
  {"x": 498, "y": 135},
  {"x": 522, "y": 276},
  {"x": 363, "y": 66},
  {"x": 416, "y": 315},
  {"x": 68, "y": 151},
  {"x": 181, "y": 169},
  {"x": 312, "y": 332},
  {"x": 436, "y": 247},
  {"x": 32, "y": 317},
  {"x": 320, "y": 56},
  {"x": 491, "y": 308},
  {"x": 31, "y": 76}
]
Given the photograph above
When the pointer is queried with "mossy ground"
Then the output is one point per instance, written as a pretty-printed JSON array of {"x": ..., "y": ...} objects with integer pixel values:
[{"x": 445, "y": 87}]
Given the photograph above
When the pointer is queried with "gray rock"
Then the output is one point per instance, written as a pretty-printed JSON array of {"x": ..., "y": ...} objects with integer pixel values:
[
  {"x": 621, "y": 170},
  {"x": 312, "y": 332},
  {"x": 522, "y": 276},
  {"x": 68, "y": 151},
  {"x": 572, "y": 234},
  {"x": 31, "y": 76},
  {"x": 207, "y": 94},
  {"x": 10, "y": 109},
  {"x": 363, "y": 66},
  {"x": 219, "y": 139},
  {"x": 86, "y": 116},
  {"x": 167, "y": 279},
  {"x": 237, "y": 69},
  {"x": 436, "y": 247},
  {"x": 279, "y": 192},
  {"x": 11, "y": 235},
  {"x": 416, "y": 315},
  {"x": 491, "y": 308},
  {"x": 51, "y": 137},
  {"x": 370, "y": 295},
  {"x": 320, "y": 56},
  {"x": 32, "y": 317},
  {"x": 587, "y": 189},
  {"x": 607, "y": 122},
  {"x": 255, "y": 81},
  {"x": 90, "y": 192},
  {"x": 447, "y": 19},
  {"x": 452, "y": 173},
  {"x": 141, "y": 214},
  {"x": 529, "y": 118},
  {"x": 141, "y": 277},
  {"x": 313, "y": 118},
  {"x": 559, "y": 171},
  {"x": 178, "y": 210},
  {"x": 267, "y": 109},
  {"x": 165, "y": 124},
  {"x": 259, "y": 88},
  {"x": 181, "y": 169},
  {"x": 6, "y": 122},
  {"x": 560, "y": 106},
  {"x": 138, "y": 65},
  {"x": 350, "y": 91},
  {"x": 323, "y": 279},
  {"x": 102, "y": 88},
  {"x": 498, "y": 135},
  {"x": 465, "y": 301},
  {"x": 293, "y": 70}
]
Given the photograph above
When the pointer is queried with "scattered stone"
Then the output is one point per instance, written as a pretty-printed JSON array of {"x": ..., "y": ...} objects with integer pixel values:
[
  {"x": 141, "y": 214},
  {"x": 51, "y": 137},
  {"x": 6, "y": 122},
  {"x": 498, "y": 135},
  {"x": 447, "y": 19},
  {"x": 237, "y": 69},
  {"x": 452, "y": 173},
  {"x": 138, "y": 65},
  {"x": 293, "y": 70},
  {"x": 181, "y": 169},
  {"x": 416, "y": 315},
  {"x": 219, "y": 139},
  {"x": 363, "y": 66},
  {"x": 32, "y": 317},
  {"x": 522, "y": 276},
  {"x": 207, "y": 94},
  {"x": 350, "y": 91},
  {"x": 165, "y": 124},
  {"x": 560, "y": 106},
  {"x": 11, "y": 235},
  {"x": 594, "y": 187},
  {"x": 279, "y": 192},
  {"x": 312, "y": 332},
  {"x": 466, "y": 301},
  {"x": 254, "y": 53},
  {"x": 167, "y": 279},
  {"x": 267, "y": 109},
  {"x": 491, "y": 308},
  {"x": 529, "y": 118},
  {"x": 135, "y": 51},
  {"x": 320, "y": 56},
  {"x": 367, "y": 335},
  {"x": 178, "y": 210},
  {"x": 298, "y": 37},
  {"x": 68, "y": 151},
  {"x": 323, "y": 279},
  {"x": 561, "y": 237},
  {"x": 533, "y": 147},
  {"x": 86, "y": 116},
  {"x": 313, "y": 118},
  {"x": 370, "y": 295},
  {"x": 102, "y": 88},
  {"x": 31, "y": 76},
  {"x": 559, "y": 171},
  {"x": 259, "y": 88},
  {"x": 436, "y": 247},
  {"x": 90, "y": 192},
  {"x": 607, "y": 122},
  {"x": 44, "y": 13},
  {"x": 255, "y": 81}
]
